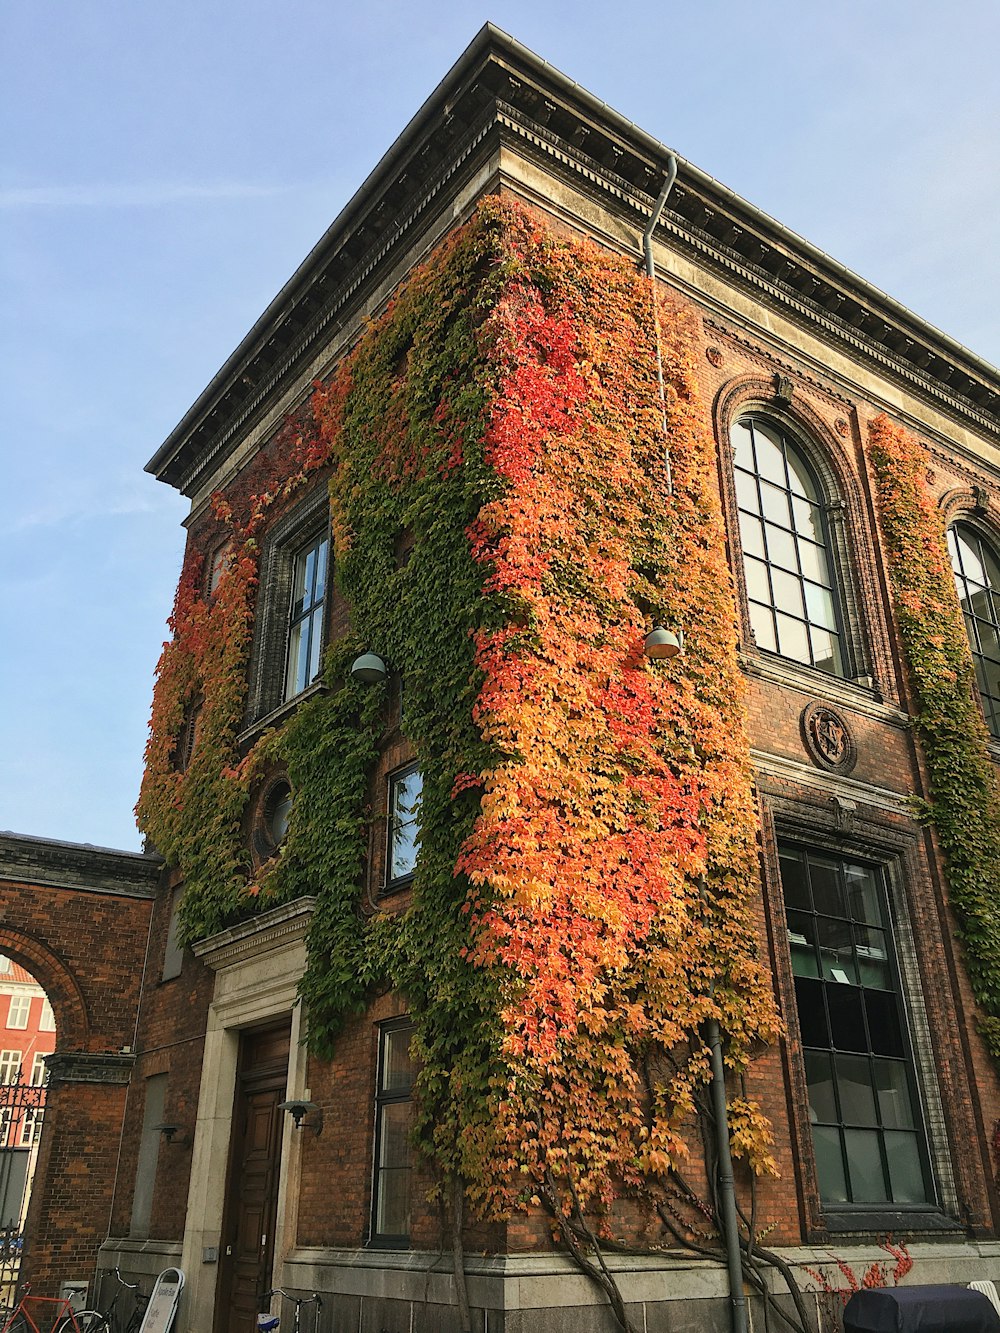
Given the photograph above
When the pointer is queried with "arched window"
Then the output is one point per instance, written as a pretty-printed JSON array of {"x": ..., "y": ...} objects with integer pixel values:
[
  {"x": 977, "y": 578},
  {"x": 786, "y": 550}
]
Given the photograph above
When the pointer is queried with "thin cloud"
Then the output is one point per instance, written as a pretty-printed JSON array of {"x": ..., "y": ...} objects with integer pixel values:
[{"x": 143, "y": 194}]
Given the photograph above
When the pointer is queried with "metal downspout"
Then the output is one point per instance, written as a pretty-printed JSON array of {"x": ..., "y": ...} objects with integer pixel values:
[
  {"x": 647, "y": 249},
  {"x": 727, "y": 1188}
]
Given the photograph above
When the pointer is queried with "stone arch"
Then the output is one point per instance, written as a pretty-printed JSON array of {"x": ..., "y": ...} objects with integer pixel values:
[{"x": 60, "y": 985}]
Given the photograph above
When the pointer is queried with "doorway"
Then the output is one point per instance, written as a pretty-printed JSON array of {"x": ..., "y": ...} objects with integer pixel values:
[{"x": 247, "y": 1242}]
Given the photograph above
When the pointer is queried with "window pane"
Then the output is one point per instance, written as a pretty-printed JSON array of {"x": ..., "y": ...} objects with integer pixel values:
[
  {"x": 758, "y": 587},
  {"x": 751, "y": 535},
  {"x": 819, "y": 1079},
  {"x": 762, "y": 624},
  {"x": 857, "y": 1097},
  {"x": 883, "y": 1023},
  {"x": 819, "y": 606},
  {"x": 847, "y": 1022},
  {"x": 871, "y": 948},
  {"x": 827, "y": 887},
  {"x": 295, "y": 681},
  {"x": 802, "y": 942},
  {"x": 404, "y": 826},
  {"x": 808, "y": 520},
  {"x": 836, "y": 950},
  {"x": 826, "y": 651},
  {"x": 893, "y": 1087},
  {"x": 799, "y": 477},
  {"x": 812, "y": 1012},
  {"x": 793, "y": 641},
  {"x": 774, "y": 504},
  {"x": 864, "y": 1164},
  {"x": 742, "y": 447},
  {"x": 397, "y": 1066},
  {"x": 746, "y": 493},
  {"x": 794, "y": 884},
  {"x": 830, "y": 1164},
  {"x": 787, "y": 593},
  {"x": 812, "y": 560},
  {"x": 863, "y": 896},
  {"x": 781, "y": 547},
  {"x": 905, "y": 1168},
  {"x": 770, "y": 459}
]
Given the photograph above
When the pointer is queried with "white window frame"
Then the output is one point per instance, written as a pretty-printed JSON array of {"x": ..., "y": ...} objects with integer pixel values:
[
  {"x": 10, "y": 1064},
  {"x": 47, "y": 1022},
  {"x": 39, "y": 1072},
  {"x": 18, "y": 1013}
]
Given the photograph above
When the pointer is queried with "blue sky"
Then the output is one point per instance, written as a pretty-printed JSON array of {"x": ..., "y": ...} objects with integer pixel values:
[{"x": 164, "y": 168}]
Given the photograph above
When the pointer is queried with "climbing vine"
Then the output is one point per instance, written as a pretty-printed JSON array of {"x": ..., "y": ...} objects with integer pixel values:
[
  {"x": 964, "y": 805},
  {"x": 505, "y": 535}
]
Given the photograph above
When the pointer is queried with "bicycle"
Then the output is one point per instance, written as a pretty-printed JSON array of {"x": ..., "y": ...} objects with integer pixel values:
[
  {"x": 266, "y": 1323},
  {"x": 39, "y": 1314},
  {"x": 97, "y": 1321}
]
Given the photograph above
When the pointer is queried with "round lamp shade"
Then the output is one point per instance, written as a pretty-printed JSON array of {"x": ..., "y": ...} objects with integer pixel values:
[
  {"x": 368, "y": 669},
  {"x": 662, "y": 642}
]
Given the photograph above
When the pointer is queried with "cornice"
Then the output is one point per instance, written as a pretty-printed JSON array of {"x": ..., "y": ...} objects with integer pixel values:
[
  {"x": 500, "y": 93},
  {"x": 78, "y": 866},
  {"x": 261, "y": 934}
]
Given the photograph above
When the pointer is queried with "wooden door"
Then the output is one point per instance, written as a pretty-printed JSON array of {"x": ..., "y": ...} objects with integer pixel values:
[{"x": 247, "y": 1250}]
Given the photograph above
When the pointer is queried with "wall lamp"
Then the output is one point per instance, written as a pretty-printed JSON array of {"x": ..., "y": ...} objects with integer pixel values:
[
  {"x": 663, "y": 643},
  {"x": 298, "y": 1109},
  {"x": 369, "y": 669},
  {"x": 170, "y": 1131}
]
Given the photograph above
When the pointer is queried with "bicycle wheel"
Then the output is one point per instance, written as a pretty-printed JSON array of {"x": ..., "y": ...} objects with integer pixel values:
[
  {"x": 14, "y": 1321},
  {"x": 85, "y": 1321}
]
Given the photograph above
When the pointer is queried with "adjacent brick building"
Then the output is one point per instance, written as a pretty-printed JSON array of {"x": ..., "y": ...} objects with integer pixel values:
[{"x": 881, "y": 1094}]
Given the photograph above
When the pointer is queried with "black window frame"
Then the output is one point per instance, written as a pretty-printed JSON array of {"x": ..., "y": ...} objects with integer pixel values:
[
  {"x": 309, "y": 522},
  {"x": 384, "y": 1098},
  {"x": 853, "y": 1208},
  {"x": 308, "y": 612},
  {"x": 979, "y": 628},
  {"x": 792, "y": 570}
]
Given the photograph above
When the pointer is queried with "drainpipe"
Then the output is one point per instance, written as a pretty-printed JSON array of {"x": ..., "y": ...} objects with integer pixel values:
[
  {"x": 727, "y": 1188},
  {"x": 647, "y": 249}
]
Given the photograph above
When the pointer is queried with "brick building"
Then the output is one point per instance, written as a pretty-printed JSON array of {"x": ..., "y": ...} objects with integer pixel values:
[
  {"x": 798, "y": 404},
  {"x": 29, "y": 1035}
]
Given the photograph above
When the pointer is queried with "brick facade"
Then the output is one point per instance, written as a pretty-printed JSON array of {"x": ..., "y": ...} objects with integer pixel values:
[{"x": 770, "y": 343}]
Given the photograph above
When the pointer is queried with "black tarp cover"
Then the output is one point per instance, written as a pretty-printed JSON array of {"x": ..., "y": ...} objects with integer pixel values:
[{"x": 920, "y": 1309}]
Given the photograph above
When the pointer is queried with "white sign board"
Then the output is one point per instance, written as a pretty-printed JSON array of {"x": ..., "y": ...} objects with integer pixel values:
[{"x": 163, "y": 1303}]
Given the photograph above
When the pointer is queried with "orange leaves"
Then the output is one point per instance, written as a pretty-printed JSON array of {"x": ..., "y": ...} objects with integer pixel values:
[{"x": 625, "y": 781}]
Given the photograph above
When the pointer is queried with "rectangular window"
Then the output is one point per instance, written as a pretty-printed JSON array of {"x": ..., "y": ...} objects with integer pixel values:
[
  {"x": 868, "y": 1137},
  {"x": 173, "y": 954},
  {"x": 393, "y": 1123},
  {"x": 20, "y": 1008},
  {"x": 405, "y": 788},
  {"x": 10, "y": 1066},
  {"x": 47, "y": 1022},
  {"x": 305, "y": 622},
  {"x": 39, "y": 1074},
  {"x": 149, "y": 1151},
  {"x": 31, "y": 1125}
]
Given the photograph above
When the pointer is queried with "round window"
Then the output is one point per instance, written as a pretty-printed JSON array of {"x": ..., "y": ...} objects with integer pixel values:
[{"x": 278, "y": 811}]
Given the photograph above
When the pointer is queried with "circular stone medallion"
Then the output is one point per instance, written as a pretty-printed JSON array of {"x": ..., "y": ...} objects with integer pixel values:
[{"x": 828, "y": 738}]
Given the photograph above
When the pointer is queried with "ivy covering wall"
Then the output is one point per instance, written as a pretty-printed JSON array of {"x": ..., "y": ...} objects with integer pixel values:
[
  {"x": 964, "y": 805},
  {"x": 585, "y": 889}
]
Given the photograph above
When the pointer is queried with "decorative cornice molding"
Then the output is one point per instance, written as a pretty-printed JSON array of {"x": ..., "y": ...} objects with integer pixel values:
[
  {"x": 831, "y": 784},
  {"x": 261, "y": 934},
  {"x": 499, "y": 92},
  {"x": 78, "y": 866},
  {"x": 88, "y": 1067}
]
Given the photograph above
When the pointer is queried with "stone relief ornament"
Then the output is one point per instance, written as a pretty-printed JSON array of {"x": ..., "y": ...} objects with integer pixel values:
[
  {"x": 842, "y": 426},
  {"x": 828, "y": 738},
  {"x": 715, "y": 356}
]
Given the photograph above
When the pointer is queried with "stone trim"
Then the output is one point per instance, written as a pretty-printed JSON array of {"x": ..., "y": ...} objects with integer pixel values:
[
  {"x": 51, "y": 864},
  {"x": 832, "y": 785},
  {"x": 275, "y": 929},
  {"x": 89, "y": 1067}
]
